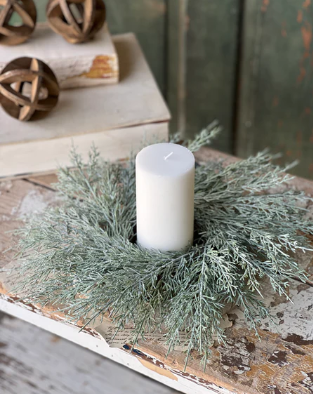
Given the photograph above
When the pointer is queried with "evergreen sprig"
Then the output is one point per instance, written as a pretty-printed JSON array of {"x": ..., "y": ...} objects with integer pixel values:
[{"x": 83, "y": 256}]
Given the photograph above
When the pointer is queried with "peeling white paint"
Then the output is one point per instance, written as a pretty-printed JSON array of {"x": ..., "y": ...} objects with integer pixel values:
[
  {"x": 296, "y": 317},
  {"x": 34, "y": 202}
]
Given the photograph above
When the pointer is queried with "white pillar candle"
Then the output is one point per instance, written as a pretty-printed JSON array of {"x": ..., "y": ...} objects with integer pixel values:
[{"x": 165, "y": 197}]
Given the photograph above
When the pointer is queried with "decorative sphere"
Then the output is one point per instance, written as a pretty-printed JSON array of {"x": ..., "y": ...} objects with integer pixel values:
[
  {"x": 28, "y": 89},
  {"x": 76, "y": 20},
  {"x": 11, "y": 34}
]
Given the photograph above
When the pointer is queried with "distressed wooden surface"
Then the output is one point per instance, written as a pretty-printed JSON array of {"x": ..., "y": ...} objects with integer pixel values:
[
  {"x": 280, "y": 362},
  {"x": 33, "y": 361},
  {"x": 276, "y": 99}
]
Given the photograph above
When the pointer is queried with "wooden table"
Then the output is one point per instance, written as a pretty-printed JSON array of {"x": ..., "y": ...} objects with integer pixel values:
[{"x": 280, "y": 362}]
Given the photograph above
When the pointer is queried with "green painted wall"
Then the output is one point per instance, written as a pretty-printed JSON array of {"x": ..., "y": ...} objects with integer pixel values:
[
  {"x": 276, "y": 102},
  {"x": 211, "y": 54},
  {"x": 202, "y": 88}
]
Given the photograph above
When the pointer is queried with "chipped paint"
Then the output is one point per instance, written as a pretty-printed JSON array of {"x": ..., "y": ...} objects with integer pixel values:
[
  {"x": 298, "y": 316},
  {"x": 283, "y": 29},
  {"x": 103, "y": 67},
  {"x": 299, "y": 137},
  {"x": 158, "y": 366},
  {"x": 306, "y": 32},
  {"x": 265, "y": 4},
  {"x": 302, "y": 74},
  {"x": 158, "y": 369},
  {"x": 5, "y": 186},
  {"x": 279, "y": 361},
  {"x": 306, "y": 4},
  {"x": 279, "y": 357},
  {"x": 33, "y": 202},
  {"x": 235, "y": 356},
  {"x": 45, "y": 312},
  {"x": 275, "y": 101}
]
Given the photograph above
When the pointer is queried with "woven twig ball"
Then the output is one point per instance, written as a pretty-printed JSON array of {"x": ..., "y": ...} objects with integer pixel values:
[
  {"x": 28, "y": 89},
  {"x": 76, "y": 20},
  {"x": 16, "y": 34}
]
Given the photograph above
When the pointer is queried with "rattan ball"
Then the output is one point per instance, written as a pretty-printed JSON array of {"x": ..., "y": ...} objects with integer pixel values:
[
  {"x": 11, "y": 34},
  {"x": 76, "y": 20},
  {"x": 28, "y": 89}
]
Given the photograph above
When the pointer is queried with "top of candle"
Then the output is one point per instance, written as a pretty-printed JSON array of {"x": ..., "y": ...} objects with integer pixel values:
[{"x": 165, "y": 159}]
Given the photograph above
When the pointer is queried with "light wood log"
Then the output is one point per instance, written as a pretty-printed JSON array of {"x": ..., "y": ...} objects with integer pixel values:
[{"x": 88, "y": 64}]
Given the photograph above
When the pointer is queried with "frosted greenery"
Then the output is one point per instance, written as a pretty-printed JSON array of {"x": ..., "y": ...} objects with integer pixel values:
[{"x": 83, "y": 256}]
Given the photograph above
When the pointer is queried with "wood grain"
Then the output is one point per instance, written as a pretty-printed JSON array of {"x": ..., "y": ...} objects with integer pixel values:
[{"x": 33, "y": 361}]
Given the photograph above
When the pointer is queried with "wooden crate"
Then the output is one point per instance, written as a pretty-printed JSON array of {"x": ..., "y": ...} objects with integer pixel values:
[
  {"x": 91, "y": 63},
  {"x": 116, "y": 118}
]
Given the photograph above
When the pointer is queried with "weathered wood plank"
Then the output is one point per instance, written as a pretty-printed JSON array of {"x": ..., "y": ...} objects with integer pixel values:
[
  {"x": 276, "y": 99},
  {"x": 211, "y": 66},
  {"x": 18, "y": 198},
  {"x": 43, "y": 180},
  {"x": 33, "y": 361}
]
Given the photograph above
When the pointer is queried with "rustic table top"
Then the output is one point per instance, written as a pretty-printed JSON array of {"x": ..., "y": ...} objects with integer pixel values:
[{"x": 280, "y": 361}]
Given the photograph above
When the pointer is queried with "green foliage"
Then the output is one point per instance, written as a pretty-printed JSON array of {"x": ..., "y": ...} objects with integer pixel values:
[{"x": 83, "y": 254}]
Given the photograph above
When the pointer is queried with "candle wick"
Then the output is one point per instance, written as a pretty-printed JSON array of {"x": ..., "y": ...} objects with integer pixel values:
[{"x": 166, "y": 157}]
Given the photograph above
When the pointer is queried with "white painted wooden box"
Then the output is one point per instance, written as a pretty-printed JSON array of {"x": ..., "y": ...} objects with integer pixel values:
[{"x": 116, "y": 118}]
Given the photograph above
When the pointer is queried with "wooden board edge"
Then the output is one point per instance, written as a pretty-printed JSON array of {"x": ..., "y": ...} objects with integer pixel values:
[
  {"x": 111, "y": 143},
  {"x": 137, "y": 361}
]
